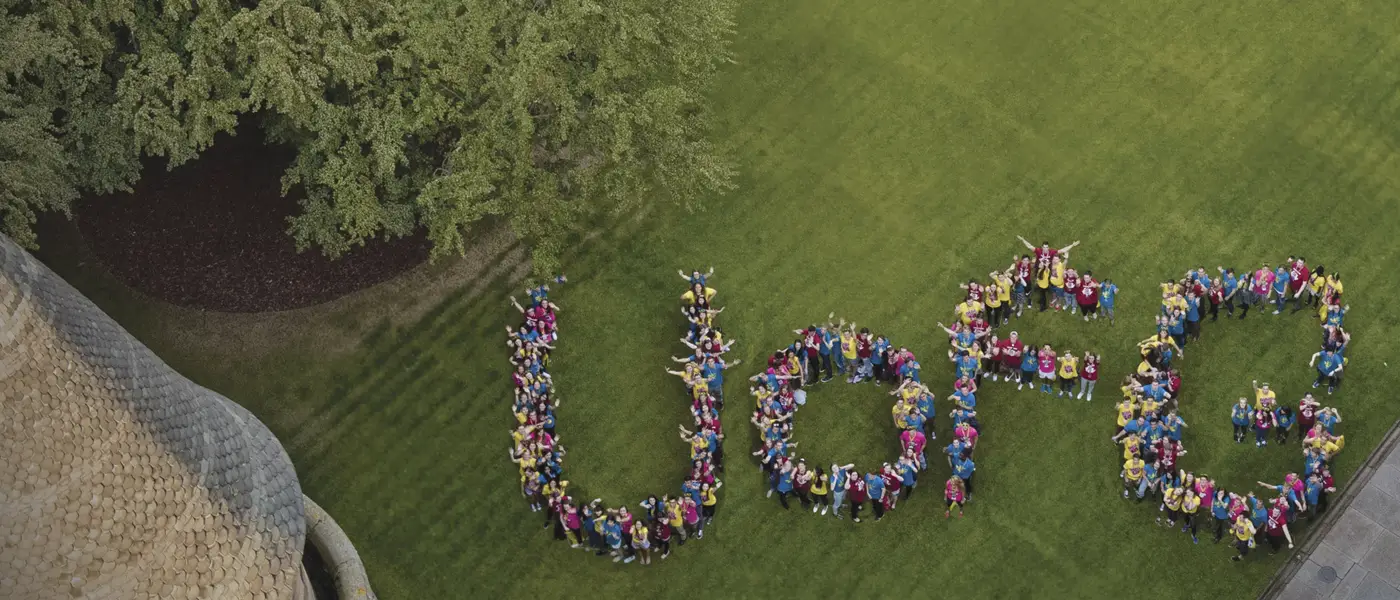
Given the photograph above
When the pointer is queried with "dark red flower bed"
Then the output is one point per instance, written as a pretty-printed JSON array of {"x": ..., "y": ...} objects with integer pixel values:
[{"x": 212, "y": 234}]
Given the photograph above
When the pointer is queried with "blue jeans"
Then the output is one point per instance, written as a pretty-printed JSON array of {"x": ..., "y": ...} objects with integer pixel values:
[
  {"x": 840, "y": 361},
  {"x": 837, "y": 498}
]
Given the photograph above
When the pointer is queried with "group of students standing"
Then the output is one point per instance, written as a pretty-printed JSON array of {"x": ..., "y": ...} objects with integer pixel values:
[
  {"x": 815, "y": 356},
  {"x": 1150, "y": 430},
  {"x": 660, "y": 522}
]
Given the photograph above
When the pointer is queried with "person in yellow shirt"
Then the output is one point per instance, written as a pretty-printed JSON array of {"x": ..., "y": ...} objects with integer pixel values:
[
  {"x": 993, "y": 302},
  {"x": 1069, "y": 373},
  {"x": 1132, "y": 446},
  {"x": 1003, "y": 284},
  {"x": 1244, "y": 531},
  {"x": 1057, "y": 282},
  {"x": 1133, "y": 477},
  {"x": 709, "y": 501},
  {"x": 698, "y": 294},
  {"x": 967, "y": 309},
  {"x": 821, "y": 491},
  {"x": 1127, "y": 410},
  {"x": 1264, "y": 398},
  {"x": 1171, "y": 503},
  {"x": 1189, "y": 505},
  {"x": 1042, "y": 285}
]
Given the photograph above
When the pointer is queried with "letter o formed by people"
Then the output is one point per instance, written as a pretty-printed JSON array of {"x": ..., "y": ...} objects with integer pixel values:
[
  {"x": 1151, "y": 431},
  {"x": 663, "y": 523}
]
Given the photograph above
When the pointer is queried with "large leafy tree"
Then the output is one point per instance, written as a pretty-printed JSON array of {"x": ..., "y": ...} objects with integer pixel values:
[{"x": 416, "y": 114}]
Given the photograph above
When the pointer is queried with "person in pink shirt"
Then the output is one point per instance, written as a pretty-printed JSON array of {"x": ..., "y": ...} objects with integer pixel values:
[
  {"x": 954, "y": 494},
  {"x": 914, "y": 442}
]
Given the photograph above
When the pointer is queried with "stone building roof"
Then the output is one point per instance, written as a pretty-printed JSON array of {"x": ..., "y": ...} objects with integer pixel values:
[{"x": 119, "y": 478}]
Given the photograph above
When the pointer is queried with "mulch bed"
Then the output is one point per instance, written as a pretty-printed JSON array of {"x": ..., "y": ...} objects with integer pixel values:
[{"x": 212, "y": 234}]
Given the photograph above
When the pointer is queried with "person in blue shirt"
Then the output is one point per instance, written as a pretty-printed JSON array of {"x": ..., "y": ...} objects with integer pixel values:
[
  {"x": 1108, "y": 293},
  {"x": 1284, "y": 419},
  {"x": 784, "y": 484},
  {"x": 1193, "y": 316},
  {"x": 1258, "y": 512},
  {"x": 696, "y": 277},
  {"x": 1174, "y": 424},
  {"x": 1336, "y": 314},
  {"x": 825, "y": 341},
  {"x": 875, "y": 486},
  {"x": 1313, "y": 461},
  {"x": 964, "y": 398},
  {"x": 1156, "y": 430},
  {"x": 925, "y": 405},
  {"x": 909, "y": 370},
  {"x": 964, "y": 467},
  {"x": 1241, "y": 417},
  {"x": 1220, "y": 511},
  {"x": 1231, "y": 283},
  {"x": 1028, "y": 368},
  {"x": 1329, "y": 418},
  {"x": 1329, "y": 367},
  {"x": 839, "y": 478},
  {"x": 915, "y": 420},
  {"x": 1313, "y": 494},
  {"x": 1151, "y": 480},
  {"x": 966, "y": 365},
  {"x": 831, "y": 345},
  {"x": 908, "y": 476},
  {"x": 1176, "y": 327},
  {"x": 1281, "y": 279},
  {"x": 612, "y": 534},
  {"x": 955, "y": 451},
  {"x": 877, "y": 358}
]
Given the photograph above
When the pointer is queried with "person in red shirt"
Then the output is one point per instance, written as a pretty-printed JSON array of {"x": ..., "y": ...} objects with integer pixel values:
[
  {"x": 1021, "y": 283},
  {"x": 1010, "y": 350},
  {"x": 1307, "y": 412},
  {"x": 1072, "y": 289},
  {"x": 1088, "y": 376},
  {"x": 1087, "y": 296},
  {"x": 856, "y": 493},
  {"x": 1045, "y": 253},
  {"x": 1277, "y": 528}
]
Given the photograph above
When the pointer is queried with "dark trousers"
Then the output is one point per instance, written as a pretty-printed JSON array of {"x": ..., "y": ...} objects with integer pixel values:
[
  {"x": 855, "y": 510},
  {"x": 879, "y": 370},
  {"x": 826, "y": 364},
  {"x": 1219, "y": 529},
  {"x": 804, "y": 498},
  {"x": 1275, "y": 541},
  {"x": 879, "y": 508},
  {"x": 967, "y": 484},
  {"x": 782, "y": 499},
  {"x": 1044, "y": 298},
  {"x": 1330, "y": 380},
  {"x": 1214, "y": 310},
  {"x": 1230, "y": 306}
]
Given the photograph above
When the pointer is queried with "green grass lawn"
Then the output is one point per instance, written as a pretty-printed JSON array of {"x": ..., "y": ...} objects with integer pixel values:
[{"x": 890, "y": 149}]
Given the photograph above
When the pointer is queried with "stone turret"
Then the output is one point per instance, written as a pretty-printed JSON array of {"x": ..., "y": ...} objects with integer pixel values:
[{"x": 119, "y": 478}]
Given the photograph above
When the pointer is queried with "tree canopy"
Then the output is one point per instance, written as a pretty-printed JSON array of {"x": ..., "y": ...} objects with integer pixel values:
[{"x": 428, "y": 114}]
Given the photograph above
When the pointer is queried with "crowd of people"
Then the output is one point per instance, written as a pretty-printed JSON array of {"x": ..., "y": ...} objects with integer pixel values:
[
  {"x": 821, "y": 352},
  {"x": 660, "y": 523},
  {"x": 817, "y": 355},
  {"x": 1150, "y": 430}
]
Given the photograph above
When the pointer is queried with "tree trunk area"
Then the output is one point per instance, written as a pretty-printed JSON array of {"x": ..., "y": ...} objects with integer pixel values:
[{"x": 212, "y": 234}]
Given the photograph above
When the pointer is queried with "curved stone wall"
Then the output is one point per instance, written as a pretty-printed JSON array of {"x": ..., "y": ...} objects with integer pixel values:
[{"x": 119, "y": 478}]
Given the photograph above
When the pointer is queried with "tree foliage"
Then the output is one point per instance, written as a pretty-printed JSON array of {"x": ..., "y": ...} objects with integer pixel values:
[{"x": 428, "y": 114}]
